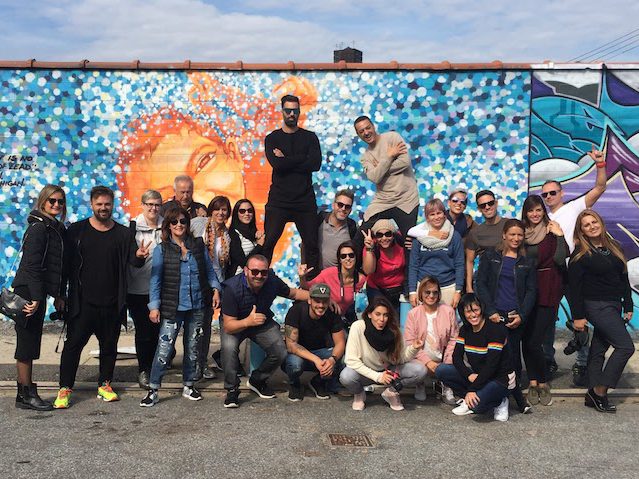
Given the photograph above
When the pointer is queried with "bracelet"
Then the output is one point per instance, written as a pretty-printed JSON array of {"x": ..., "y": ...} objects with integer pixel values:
[
  {"x": 601, "y": 164},
  {"x": 334, "y": 358},
  {"x": 369, "y": 249}
]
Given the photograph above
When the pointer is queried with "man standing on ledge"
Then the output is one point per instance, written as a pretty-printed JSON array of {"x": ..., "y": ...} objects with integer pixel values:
[
  {"x": 294, "y": 154},
  {"x": 387, "y": 164}
]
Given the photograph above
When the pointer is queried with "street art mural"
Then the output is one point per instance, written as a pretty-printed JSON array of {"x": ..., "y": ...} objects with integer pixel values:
[{"x": 478, "y": 129}]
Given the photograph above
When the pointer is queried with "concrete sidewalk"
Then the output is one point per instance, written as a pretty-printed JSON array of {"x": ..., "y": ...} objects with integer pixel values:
[{"x": 46, "y": 369}]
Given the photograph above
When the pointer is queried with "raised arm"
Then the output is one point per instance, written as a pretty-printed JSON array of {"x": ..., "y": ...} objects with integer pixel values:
[{"x": 599, "y": 157}]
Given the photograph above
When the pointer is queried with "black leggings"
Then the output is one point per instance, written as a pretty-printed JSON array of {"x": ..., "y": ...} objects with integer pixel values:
[
  {"x": 536, "y": 328},
  {"x": 146, "y": 332}
]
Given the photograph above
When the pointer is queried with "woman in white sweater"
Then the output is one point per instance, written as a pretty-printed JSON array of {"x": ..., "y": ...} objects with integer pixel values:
[{"x": 375, "y": 354}]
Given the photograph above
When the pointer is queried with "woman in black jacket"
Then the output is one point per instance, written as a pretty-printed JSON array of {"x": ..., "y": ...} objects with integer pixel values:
[
  {"x": 245, "y": 238},
  {"x": 600, "y": 291},
  {"x": 507, "y": 286},
  {"x": 39, "y": 275}
]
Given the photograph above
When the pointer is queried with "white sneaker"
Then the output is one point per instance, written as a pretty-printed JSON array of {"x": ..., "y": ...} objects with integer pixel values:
[
  {"x": 501, "y": 411},
  {"x": 462, "y": 409},
  {"x": 359, "y": 401},
  {"x": 447, "y": 396},
  {"x": 393, "y": 400},
  {"x": 420, "y": 392}
]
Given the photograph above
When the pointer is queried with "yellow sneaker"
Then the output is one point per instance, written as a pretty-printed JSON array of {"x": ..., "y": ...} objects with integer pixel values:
[
  {"x": 62, "y": 401},
  {"x": 106, "y": 393}
]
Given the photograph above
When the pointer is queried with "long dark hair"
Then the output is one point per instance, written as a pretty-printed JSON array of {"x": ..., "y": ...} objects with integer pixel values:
[
  {"x": 246, "y": 230},
  {"x": 532, "y": 202},
  {"x": 395, "y": 351},
  {"x": 351, "y": 245},
  {"x": 172, "y": 214}
]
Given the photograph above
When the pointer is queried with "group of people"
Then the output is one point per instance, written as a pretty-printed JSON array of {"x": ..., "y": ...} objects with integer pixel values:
[{"x": 467, "y": 328}]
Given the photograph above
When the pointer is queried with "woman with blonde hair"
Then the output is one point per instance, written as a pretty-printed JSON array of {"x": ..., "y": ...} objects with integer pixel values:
[
  {"x": 39, "y": 275},
  {"x": 600, "y": 291}
]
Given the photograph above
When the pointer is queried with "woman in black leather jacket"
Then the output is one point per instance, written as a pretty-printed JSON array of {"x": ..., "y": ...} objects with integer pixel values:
[{"x": 39, "y": 275}]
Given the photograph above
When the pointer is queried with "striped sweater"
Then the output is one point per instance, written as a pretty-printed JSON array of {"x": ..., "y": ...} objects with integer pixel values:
[{"x": 484, "y": 353}]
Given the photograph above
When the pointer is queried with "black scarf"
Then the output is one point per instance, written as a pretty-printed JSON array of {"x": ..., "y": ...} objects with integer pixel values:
[{"x": 380, "y": 340}]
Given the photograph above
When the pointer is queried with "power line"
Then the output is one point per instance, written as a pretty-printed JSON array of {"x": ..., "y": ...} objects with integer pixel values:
[
  {"x": 609, "y": 50},
  {"x": 614, "y": 56},
  {"x": 577, "y": 58}
]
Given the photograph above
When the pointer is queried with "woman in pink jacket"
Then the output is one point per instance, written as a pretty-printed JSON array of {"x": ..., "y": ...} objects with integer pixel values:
[{"x": 436, "y": 323}]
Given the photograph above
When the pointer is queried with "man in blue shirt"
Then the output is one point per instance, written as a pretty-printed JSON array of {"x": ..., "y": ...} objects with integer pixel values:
[{"x": 246, "y": 313}]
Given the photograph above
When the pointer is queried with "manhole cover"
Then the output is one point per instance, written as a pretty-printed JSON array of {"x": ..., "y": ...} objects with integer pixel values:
[{"x": 355, "y": 440}]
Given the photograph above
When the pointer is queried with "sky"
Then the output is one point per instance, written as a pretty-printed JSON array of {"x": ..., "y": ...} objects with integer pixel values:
[{"x": 273, "y": 31}]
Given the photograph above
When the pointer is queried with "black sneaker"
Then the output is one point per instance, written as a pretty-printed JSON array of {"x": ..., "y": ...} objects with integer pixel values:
[
  {"x": 579, "y": 376},
  {"x": 151, "y": 398},
  {"x": 318, "y": 387},
  {"x": 232, "y": 398},
  {"x": 261, "y": 388},
  {"x": 189, "y": 392},
  {"x": 295, "y": 393}
]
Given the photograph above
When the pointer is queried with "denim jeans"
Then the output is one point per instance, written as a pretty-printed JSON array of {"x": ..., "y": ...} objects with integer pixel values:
[
  {"x": 267, "y": 337},
  {"x": 169, "y": 329},
  {"x": 295, "y": 366},
  {"x": 410, "y": 374},
  {"x": 490, "y": 396}
]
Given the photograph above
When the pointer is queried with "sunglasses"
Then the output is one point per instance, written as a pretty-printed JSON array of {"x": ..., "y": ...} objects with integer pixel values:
[
  {"x": 244, "y": 211},
  {"x": 343, "y": 206},
  {"x": 346, "y": 255},
  {"x": 152, "y": 205},
  {"x": 288, "y": 111},
  {"x": 457, "y": 200},
  {"x": 53, "y": 201},
  {"x": 259, "y": 272},
  {"x": 384, "y": 234},
  {"x": 550, "y": 193},
  {"x": 430, "y": 292},
  {"x": 488, "y": 204},
  {"x": 182, "y": 221}
]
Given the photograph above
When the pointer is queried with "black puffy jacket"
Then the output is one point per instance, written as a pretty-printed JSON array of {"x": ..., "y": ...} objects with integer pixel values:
[{"x": 40, "y": 269}]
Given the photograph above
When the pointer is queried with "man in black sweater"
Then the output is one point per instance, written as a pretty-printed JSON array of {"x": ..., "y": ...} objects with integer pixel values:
[
  {"x": 294, "y": 154},
  {"x": 97, "y": 253}
]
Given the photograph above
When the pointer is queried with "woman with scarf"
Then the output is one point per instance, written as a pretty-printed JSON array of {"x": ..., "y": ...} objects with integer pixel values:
[
  {"x": 544, "y": 242},
  {"x": 436, "y": 251},
  {"x": 217, "y": 241},
  {"x": 375, "y": 354},
  {"x": 344, "y": 281},
  {"x": 384, "y": 262},
  {"x": 245, "y": 238}
]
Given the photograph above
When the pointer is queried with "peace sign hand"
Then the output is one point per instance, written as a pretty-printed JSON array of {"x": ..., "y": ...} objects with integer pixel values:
[
  {"x": 143, "y": 250},
  {"x": 368, "y": 238}
]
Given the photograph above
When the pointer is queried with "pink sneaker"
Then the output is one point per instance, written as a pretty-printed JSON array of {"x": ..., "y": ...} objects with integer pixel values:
[
  {"x": 392, "y": 398},
  {"x": 359, "y": 401}
]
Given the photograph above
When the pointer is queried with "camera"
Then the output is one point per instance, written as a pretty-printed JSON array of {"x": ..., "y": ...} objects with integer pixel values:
[
  {"x": 578, "y": 341},
  {"x": 57, "y": 316},
  {"x": 396, "y": 383}
]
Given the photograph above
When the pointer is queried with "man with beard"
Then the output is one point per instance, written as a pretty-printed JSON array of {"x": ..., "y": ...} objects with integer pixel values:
[
  {"x": 95, "y": 262},
  {"x": 294, "y": 154},
  {"x": 246, "y": 313}
]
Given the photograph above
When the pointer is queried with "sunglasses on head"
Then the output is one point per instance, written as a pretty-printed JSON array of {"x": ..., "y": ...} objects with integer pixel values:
[
  {"x": 53, "y": 201},
  {"x": 243, "y": 211},
  {"x": 182, "y": 221},
  {"x": 346, "y": 255},
  {"x": 343, "y": 206},
  {"x": 488, "y": 204},
  {"x": 384, "y": 234},
  {"x": 259, "y": 272},
  {"x": 457, "y": 200},
  {"x": 430, "y": 292},
  {"x": 550, "y": 193},
  {"x": 288, "y": 111}
]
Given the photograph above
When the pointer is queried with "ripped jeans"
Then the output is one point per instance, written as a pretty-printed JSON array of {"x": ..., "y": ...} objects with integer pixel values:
[{"x": 169, "y": 329}]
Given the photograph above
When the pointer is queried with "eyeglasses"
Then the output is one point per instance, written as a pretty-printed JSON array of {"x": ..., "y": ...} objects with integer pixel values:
[
  {"x": 288, "y": 111},
  {"x": 384, "y": 234},
  {"x": 488, "y": 204},
  {"x": 244, "y": 211},
  {"x": 152, "y": 205},
  {"x": 346, "y": 255},
  {"x": 53, "y": 201},
  {"x": 259, "y": 272},
  {"x": 182, "y": 221},
  {"x": 457, "y": 200},
  {"x": 343, "y": 206},
  {"x": 430, "y": 292},
  {"x": 550, "y": 193}
]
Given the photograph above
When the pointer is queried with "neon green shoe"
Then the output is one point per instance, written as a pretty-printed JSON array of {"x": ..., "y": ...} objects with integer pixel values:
[
  {"x": 106, "y": 393},
  {"x": 62, "y": 401}
]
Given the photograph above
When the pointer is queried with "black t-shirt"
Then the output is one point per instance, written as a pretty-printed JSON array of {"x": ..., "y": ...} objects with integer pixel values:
[
  {"x": 313, "y": 333},
  {"x": 99, "y": 270}
]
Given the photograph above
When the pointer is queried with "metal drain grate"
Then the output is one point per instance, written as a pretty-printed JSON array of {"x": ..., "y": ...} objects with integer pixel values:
[{"x": 354, "y": 440}]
